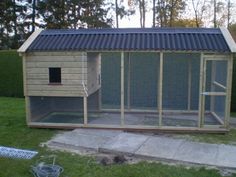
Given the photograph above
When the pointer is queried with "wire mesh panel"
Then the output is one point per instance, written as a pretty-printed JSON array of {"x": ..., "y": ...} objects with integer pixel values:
[
  {"x": 141, "y": 88},
  {"x": 104, "y": 104},
  {"x": 215, "y": 92},
  {"x": 57, "y": 109},
  {"x": 180, "y": 89},
  {"x": 110, "y": 80}
]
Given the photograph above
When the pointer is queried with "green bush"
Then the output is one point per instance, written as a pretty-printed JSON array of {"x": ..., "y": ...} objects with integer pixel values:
[{"x": 11, "y": 74}]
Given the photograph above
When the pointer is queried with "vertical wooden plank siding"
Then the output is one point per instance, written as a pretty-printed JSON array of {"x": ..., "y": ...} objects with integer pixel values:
[
  {"x": 228, "y": 90},
  {"x": 122, "y": 90},
  {"x": 160, "y": 88},
  {"x": 189, "y": 83},
  {"x": 200, "y": 110}
]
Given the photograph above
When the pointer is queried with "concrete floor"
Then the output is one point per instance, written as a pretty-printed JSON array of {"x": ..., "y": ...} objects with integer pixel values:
[
  {"x": 147, "y": 146},
  {"x": 148, "y": 119}
]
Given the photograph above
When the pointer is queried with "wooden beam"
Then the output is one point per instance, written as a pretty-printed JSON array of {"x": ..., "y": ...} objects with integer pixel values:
[
  {"x": 213, "y": 75},
  {"x": 27, "y": 43},
  {"x": 28, "y": 110},
  {"x": 128, "y": 85},
  {"x": 211, "y": 129},
  {"x": 24, "y": 74},
  {"x": 219, "y": 85},
  {"x": 229, "y": 39},
  {"x": 85, "y": 111},
  {"x": 214, "y": 93},
  {"x": 189, "y": 83},
  {"x": 228, "y": 90},
  {"x": 100, "y": 99},
  {"x": 201, "y": 79},
  {"x": 160, "y": 83},
  {"x": 217, "y": 118},
  {"x": 122, "y": 104}
]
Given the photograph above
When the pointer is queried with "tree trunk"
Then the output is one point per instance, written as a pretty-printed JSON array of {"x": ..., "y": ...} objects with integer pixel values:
[
  {"x": 117, "y": 18},
  {"x": 14, "y": 18},
  {"x": 144, "y": 13},
  {"x": 229, "y": 13},
  {"x": 154, "y": 13},
  {"x": 214, "y": 21},
  {"x": 33, "y": 16}
]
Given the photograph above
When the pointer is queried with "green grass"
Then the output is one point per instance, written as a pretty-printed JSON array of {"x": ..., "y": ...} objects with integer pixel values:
[
  {"x": 233, "y": 114},
  {"x": 15, "y": 133},
  {"x": 229, "y": 138}
]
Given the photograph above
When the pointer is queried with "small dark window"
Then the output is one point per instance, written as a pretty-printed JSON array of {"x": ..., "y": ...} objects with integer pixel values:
[{"x": 54, "y": 75}]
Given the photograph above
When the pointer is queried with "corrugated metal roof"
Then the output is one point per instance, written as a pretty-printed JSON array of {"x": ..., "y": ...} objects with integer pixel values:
[{"x": 131, "y": 39}]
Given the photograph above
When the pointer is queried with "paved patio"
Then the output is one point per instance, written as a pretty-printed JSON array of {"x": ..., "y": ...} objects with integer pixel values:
[{"x": 155, "y": 147}]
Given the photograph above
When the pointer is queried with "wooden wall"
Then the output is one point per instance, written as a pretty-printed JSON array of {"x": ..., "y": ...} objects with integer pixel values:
[{"x": 74, "y": 71}]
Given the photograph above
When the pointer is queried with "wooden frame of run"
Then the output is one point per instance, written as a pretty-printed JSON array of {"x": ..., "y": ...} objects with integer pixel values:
[{"x": 202, "y": 93}]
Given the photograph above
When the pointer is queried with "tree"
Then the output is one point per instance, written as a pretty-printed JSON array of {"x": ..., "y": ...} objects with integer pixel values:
[
  {"x": 74, "y": 14},
  {"x": 121, "y": 11},
  {"x": 154, "y": 13},
  {"x": 142, "y": 8},
  {"x": 168, "y": 11},
  {"x": 199, "y": 7},
  {"x": 11, "y": 15}
]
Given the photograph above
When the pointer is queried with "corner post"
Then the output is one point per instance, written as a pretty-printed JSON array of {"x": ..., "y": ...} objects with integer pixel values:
[
  {"x": 27, "y": 99},
  {"x": 201, "y": 96},
  {"x": 228, "y": 91},
  {"x": 122, "y": 106},
  {"x": 160, "y": 84}
]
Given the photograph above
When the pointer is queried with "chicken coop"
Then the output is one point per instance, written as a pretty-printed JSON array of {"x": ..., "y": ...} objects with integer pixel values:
[{"x": 169, "y": 79}]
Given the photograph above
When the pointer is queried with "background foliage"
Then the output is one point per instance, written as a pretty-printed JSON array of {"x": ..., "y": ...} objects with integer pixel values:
[{"x": 11, "y": 74}]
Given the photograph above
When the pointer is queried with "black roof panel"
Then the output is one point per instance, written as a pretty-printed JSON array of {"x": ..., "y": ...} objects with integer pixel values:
[{"x": 131, "y": 39}]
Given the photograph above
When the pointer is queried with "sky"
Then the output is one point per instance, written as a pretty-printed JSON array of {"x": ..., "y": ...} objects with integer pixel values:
[{"x": 133, "y": 21}]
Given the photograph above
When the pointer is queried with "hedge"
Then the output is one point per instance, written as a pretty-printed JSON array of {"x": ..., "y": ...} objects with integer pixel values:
[{"x": 12, "y": 79}]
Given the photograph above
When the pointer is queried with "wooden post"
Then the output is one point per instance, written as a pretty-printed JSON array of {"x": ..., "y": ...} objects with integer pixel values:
[
  {"x": 160, "y": 88},
  {"x": 122, "y": 104},
  {"x": 201, "y": 96},
  {"x": 228, "y": 91},
  {"x": 27, "y": 110},
  {"x": 189, "y": 83},
  {"x": 128, "y": 85},
  {"x": 213, "y": 76},
  {"x": 100, "y": 99},
  {"x": 27, "y": 99},
  {"x": 85, "y": 110}
]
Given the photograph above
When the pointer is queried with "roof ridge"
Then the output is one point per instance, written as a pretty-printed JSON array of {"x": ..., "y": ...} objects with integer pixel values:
[{"x": 131, "y": 31}]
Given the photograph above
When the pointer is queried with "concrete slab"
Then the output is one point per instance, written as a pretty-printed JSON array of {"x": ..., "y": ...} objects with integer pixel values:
[
  {"x": 195, "y": 152},
  {"x": 140, "y": 145},
  {"x": 159, "y": 147},
  {"x": 79, "y": 139},
  {"x": 226, "y": 156},
  {"x": 125, "y": 143}
]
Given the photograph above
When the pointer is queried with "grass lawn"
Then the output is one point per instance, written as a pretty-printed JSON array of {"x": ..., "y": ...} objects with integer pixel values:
[
  {"x": 15, "y": 133},
  {"x": 233, "y": 114}
]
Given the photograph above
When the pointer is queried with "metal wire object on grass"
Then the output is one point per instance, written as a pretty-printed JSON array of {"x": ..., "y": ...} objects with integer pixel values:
[{"x": 45, "y": 169}]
